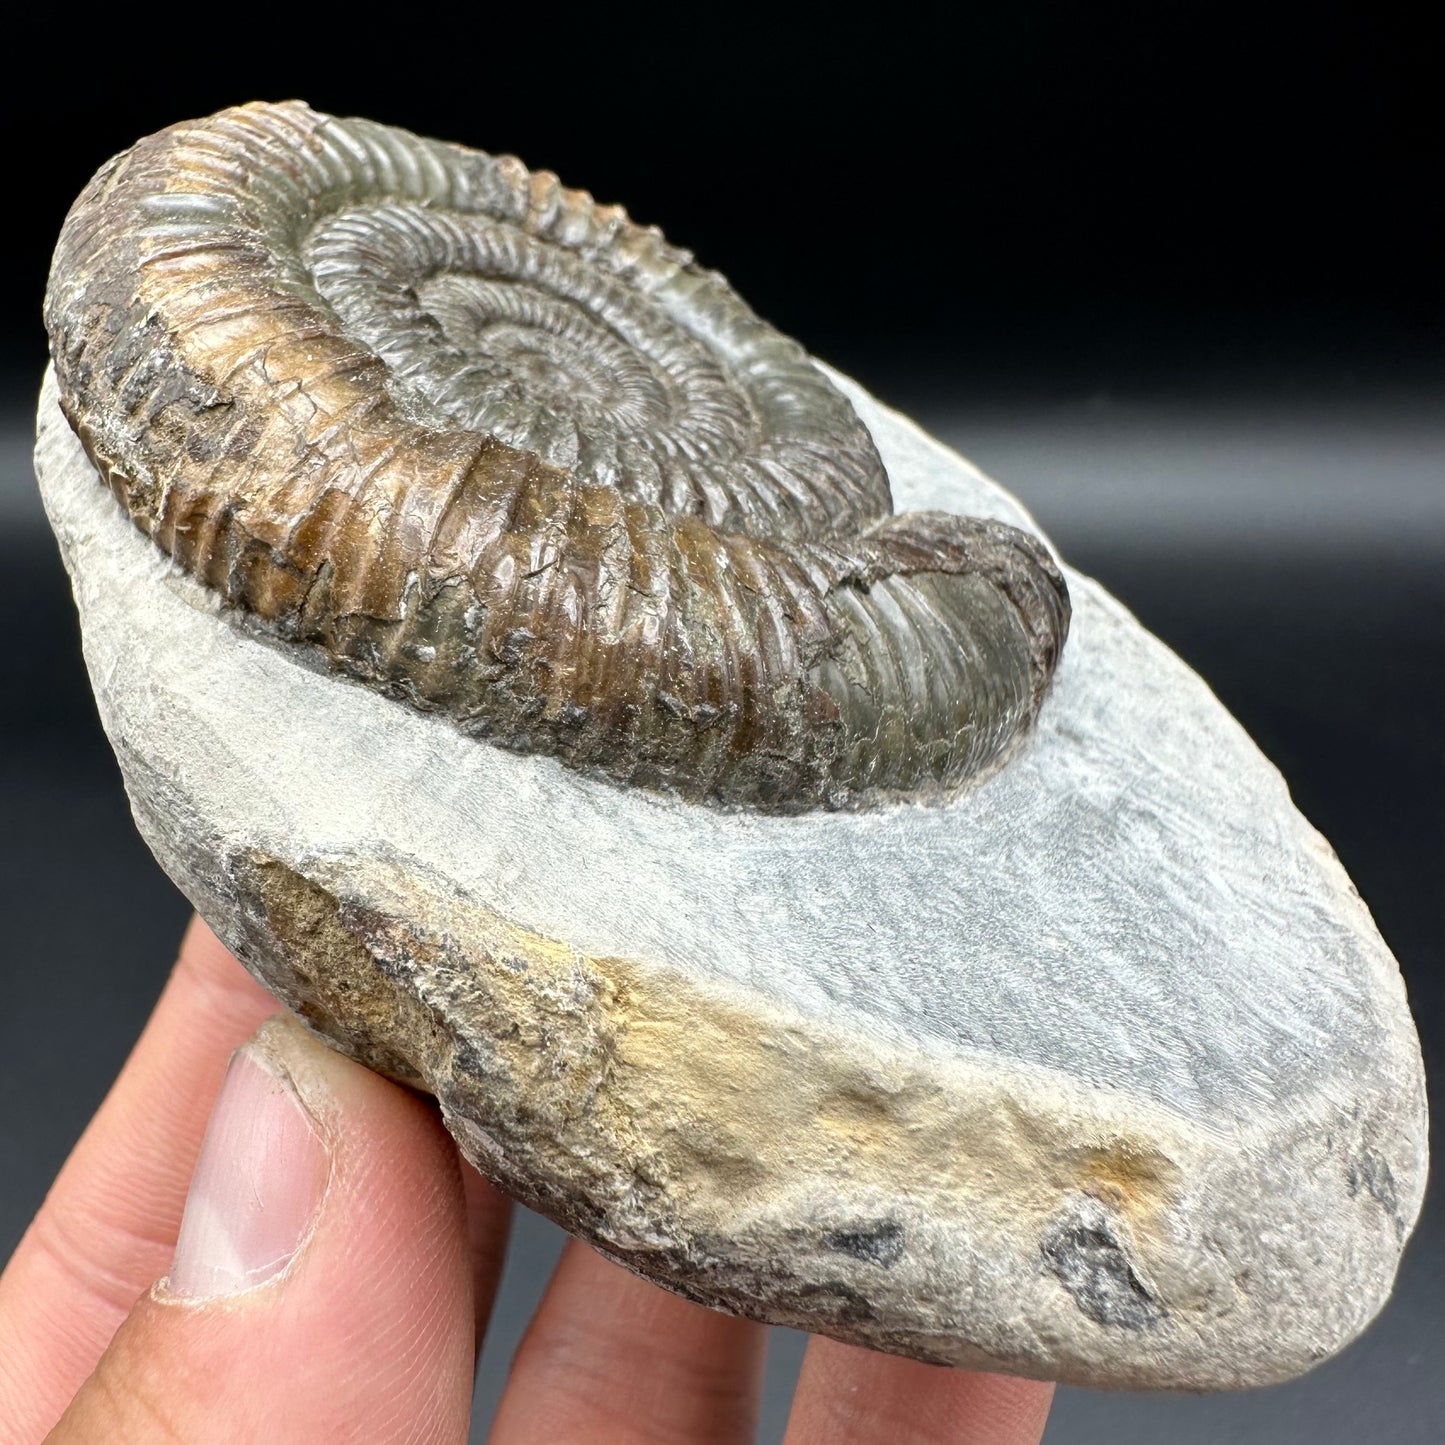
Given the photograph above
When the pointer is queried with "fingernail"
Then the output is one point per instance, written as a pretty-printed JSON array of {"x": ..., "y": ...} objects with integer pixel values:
[{"x": 257, "y": 1187}]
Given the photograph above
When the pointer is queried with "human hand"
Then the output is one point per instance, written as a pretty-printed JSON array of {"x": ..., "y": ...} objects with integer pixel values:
[{"x": 334, "y": 1263}]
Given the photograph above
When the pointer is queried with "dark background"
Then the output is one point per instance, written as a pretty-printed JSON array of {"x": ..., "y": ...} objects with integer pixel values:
[
  {"x": 1172, "y": 273},
  {"x": 1082, "y": 196}
]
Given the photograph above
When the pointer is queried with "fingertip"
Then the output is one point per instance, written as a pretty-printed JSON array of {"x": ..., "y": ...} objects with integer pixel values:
[
  {"x": 206, "y": 964},
  {"x": 257, "y": 1187},
  {"x": 489, "y": 1224},
  {"x": 848, "y": 1395},
  {"x": 609, "y": 1356},
  {"x": 321, "y": 1285},
  {"x": 108, "y": 1224}
]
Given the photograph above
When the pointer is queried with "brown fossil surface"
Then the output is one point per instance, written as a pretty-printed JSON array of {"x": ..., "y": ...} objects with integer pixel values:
[{"x": 503, "y": 453}]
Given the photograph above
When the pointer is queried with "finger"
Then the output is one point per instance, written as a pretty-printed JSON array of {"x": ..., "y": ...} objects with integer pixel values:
[
  {"x": 610, "y": 1357},
  {"x": 489, "y": 1222},
  {"x": 108, "y": 1226},
  {"x": 320, "y": 1290},
  {"x": 852, "y": 1396}
]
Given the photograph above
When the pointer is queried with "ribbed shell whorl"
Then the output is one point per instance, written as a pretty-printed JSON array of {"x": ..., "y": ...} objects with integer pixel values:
[{"x": 502, "y": 453}]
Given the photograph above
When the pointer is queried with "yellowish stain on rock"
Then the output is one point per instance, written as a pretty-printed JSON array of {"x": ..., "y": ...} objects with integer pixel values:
[{"x": 722, "y": 1106}]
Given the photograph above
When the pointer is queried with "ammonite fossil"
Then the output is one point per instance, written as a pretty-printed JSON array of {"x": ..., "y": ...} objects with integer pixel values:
[
  {"x": 503, "y": 453},
  {"x": 1098, "y": 1073}
]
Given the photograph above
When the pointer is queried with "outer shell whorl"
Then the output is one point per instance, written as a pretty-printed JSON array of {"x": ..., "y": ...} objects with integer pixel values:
[{"x": 501, "y": 452}]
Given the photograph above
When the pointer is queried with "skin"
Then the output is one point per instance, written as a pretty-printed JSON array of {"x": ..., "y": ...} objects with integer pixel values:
[{"x": 370, "y": 1334}]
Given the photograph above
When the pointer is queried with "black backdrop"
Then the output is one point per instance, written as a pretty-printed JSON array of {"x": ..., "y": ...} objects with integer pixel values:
[
  {"x": 1198, "y": 244},
  {"x": 1116, "y": 192}
]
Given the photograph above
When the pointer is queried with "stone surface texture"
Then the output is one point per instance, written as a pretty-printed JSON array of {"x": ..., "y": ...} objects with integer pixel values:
[{"x": 1098, "y": 1072}]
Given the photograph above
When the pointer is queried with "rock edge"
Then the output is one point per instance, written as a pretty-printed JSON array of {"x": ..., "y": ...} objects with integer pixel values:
[{"x": 798, "y": 1161}]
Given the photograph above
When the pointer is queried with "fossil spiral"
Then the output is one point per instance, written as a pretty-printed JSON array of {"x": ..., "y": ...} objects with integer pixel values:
[{"x": 503, "y": 453}]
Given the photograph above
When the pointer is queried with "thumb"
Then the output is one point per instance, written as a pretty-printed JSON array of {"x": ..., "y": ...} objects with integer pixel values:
[{"x": 320, "y": 1291}]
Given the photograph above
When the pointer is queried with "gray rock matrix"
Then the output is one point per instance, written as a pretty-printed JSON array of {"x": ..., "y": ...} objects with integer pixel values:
[{"x": 1098, "y": 1072}]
